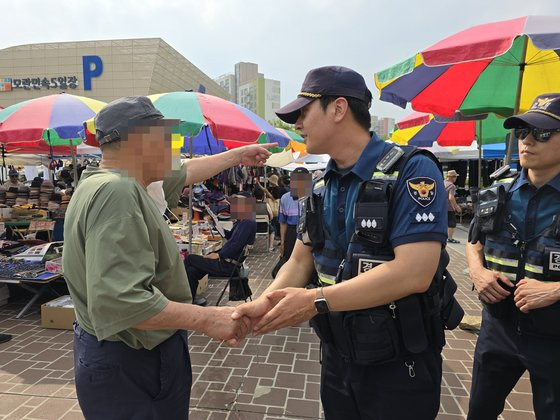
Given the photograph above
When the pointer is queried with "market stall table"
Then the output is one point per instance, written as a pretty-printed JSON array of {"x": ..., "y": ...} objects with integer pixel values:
[{"x": 38, "y": 286}]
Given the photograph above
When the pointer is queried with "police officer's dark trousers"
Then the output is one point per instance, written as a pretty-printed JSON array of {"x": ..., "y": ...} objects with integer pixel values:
[
  {"x": 407, "y": 388},
  {"x": 115, "y": 381},
  {"x": 502, "y": 355}
]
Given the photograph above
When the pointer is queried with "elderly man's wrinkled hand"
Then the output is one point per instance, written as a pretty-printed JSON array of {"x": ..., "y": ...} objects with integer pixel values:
[
  {"x": 290, "y": 306},
  {"x": 254, "y": 311},
  {"x": 255, "y": 154},
  {"x": 221, "y": 326}
]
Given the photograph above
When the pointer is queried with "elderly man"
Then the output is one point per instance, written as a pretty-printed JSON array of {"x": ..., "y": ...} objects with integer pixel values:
[
  {"x": 514, "y": 263},
  {"x": 125, "y": 275}
]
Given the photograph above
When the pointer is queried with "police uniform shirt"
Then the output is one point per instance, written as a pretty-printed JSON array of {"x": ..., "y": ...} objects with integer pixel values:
[
  {"x": 419, "y": 209},
  {"x": 529, "y": 212},
  {"x": 532, "y": 209}
]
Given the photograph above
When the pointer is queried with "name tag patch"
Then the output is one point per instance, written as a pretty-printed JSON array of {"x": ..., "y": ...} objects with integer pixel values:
[
  {"x": 554, "y": 261},
  {"x": 422, "y": 190},
  {"x": 366, "y": 264}
]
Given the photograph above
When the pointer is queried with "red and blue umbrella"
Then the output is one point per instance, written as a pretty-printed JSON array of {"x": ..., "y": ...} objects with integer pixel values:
[
  {"x": 49, "y": 124},
  {"x": 497, "y": 67},
  {"x": 422, "y": 130},
  {"x": 230, "y": 124}
]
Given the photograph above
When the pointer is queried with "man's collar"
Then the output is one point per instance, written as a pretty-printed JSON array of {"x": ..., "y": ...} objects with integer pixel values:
[
  {"x": 362, "y": 168},
  {"x": 524, "y": 180}
]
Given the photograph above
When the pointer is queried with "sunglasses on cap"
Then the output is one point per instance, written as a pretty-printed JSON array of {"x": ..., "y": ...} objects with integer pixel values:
[{"x": 539, "y": 134}]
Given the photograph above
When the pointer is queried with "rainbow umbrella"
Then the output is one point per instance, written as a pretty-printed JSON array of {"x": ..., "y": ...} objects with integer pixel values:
[
  {"x": 422, "y": 130},
  {"x": 492, "y": 68},
  {"x": 231, "y": 125},
  {"x": 46, "y": 125},
  {"x": 49, "y": 124}
]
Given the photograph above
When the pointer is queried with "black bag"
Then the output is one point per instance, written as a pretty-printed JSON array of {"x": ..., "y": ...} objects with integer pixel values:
[
  {"x": 281, "y": 261},
  {"x": 239, "y": 289}
]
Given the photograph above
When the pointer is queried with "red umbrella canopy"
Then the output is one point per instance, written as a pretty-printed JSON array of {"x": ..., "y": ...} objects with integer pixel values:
[
  {"x": 228, "y": 122},
  {"x": 46, "y": 124},
  {"x": 422, "y": 130},
  {"x": 497, "y": 67}
]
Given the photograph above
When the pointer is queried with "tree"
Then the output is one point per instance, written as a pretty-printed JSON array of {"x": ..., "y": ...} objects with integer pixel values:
[{"x": 281, "y": 124}]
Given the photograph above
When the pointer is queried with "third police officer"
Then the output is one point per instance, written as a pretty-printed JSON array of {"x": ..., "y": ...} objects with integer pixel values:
[
  {"x": 514, "y": 262},
  {"x": 368, "y": 264}
]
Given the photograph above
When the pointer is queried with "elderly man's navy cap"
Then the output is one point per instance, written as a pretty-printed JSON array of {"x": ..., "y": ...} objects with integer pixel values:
[
  {"x": 13, "y": 172},
  {"x": 113, "y": 121},
  {"x": 326, "y": 81},
  {"x": 544, "y": 113}
]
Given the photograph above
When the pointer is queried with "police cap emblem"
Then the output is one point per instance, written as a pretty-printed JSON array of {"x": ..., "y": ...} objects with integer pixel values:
[{"x": 422, "y": 190}]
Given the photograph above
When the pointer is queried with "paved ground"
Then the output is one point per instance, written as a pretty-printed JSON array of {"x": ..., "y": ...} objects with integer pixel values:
[{"x": 271, "y": 377}]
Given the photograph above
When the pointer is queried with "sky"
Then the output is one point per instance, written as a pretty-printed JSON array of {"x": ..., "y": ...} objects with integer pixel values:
[{"x": 286, "y": 38}]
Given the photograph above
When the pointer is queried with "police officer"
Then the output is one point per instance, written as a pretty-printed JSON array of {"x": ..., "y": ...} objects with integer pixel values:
[
  {"x": 380, "y": 359},
  {"x": 514, "y": 262}
]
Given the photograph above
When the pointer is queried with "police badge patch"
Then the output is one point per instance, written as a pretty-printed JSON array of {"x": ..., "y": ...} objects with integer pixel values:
[{"x": 422, "y": 190}]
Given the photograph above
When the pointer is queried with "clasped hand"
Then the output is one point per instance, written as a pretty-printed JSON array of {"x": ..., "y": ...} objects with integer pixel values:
[{"x": 277, "y": 309}]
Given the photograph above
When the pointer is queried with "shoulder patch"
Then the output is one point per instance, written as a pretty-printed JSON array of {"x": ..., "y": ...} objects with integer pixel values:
[{"x": 422, "y": 190}]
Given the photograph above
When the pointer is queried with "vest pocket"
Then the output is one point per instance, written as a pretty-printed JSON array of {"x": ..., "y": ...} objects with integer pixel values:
[
  {"x": 372, "y": 336},
  {"x": 543, "y": 321}
]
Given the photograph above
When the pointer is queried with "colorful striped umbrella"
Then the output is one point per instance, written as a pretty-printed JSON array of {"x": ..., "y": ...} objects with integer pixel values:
[
  {"x": 493, "y": 68},
  {"x": 231, "y": 123},
  {"x": 422, "y": 130},
  {"x": 48, "y": 124}
]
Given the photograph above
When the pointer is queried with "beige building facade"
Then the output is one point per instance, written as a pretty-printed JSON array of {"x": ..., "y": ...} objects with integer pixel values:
[{"x": 102, "y": 70}]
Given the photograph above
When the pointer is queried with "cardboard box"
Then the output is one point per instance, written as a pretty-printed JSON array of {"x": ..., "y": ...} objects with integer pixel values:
[{"x": 58, "y": 313}]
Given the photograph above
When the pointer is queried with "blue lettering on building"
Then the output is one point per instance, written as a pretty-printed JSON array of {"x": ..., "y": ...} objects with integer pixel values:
[{"x": 93, "y": 67}]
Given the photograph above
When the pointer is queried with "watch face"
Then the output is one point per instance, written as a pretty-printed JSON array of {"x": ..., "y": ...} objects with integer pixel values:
[{"x": 321, "y": 306}]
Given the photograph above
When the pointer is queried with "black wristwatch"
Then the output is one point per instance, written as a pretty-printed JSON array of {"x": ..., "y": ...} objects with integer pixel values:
[{"x": 321, "y": 304}]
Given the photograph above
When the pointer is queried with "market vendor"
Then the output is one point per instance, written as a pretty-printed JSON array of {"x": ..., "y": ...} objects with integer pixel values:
[
  {"x": 125, "y": 275},
  {"x": 14, "y": 181}
]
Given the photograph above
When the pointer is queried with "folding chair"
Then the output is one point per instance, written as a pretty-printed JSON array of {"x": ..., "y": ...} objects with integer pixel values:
[{"x": 239, "y": 276}]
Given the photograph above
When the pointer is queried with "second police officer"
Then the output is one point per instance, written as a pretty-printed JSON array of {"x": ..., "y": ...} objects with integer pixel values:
[
  {"x": 514, "y": 262},
  {"x": 378, "y": 219}
]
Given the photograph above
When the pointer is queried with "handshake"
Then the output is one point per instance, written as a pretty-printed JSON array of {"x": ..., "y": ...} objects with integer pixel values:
[{"x": 270, "y": 312}]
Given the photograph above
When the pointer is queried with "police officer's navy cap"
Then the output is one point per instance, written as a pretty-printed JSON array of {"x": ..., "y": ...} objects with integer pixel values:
[
  {"x": 544, "y": 113},
  {"x": 113, "y": 121},
  {"x": 326, "y": 81}
]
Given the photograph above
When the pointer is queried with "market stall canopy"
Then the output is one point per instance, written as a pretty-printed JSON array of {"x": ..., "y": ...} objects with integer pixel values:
[
  {"x": 229, "y": 124},
  {"x": 48, "y": 124},
  {"x": 310, "y": 162},
  {"x": 422, "y": 130},
  {"x": 497, "y": 67}
]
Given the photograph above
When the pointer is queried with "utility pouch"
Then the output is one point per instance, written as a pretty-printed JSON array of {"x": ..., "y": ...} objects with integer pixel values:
[
  {"x": 491, "y": 203},
  {"x": 411, "y": 322},
  {"x": 372, "y": 336},
  {"x": 322, "y": 327},
  {"x": 371, "y": 211},
  {"x": 551, "y": 264},
  {"x": 310, "y": 224}
]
